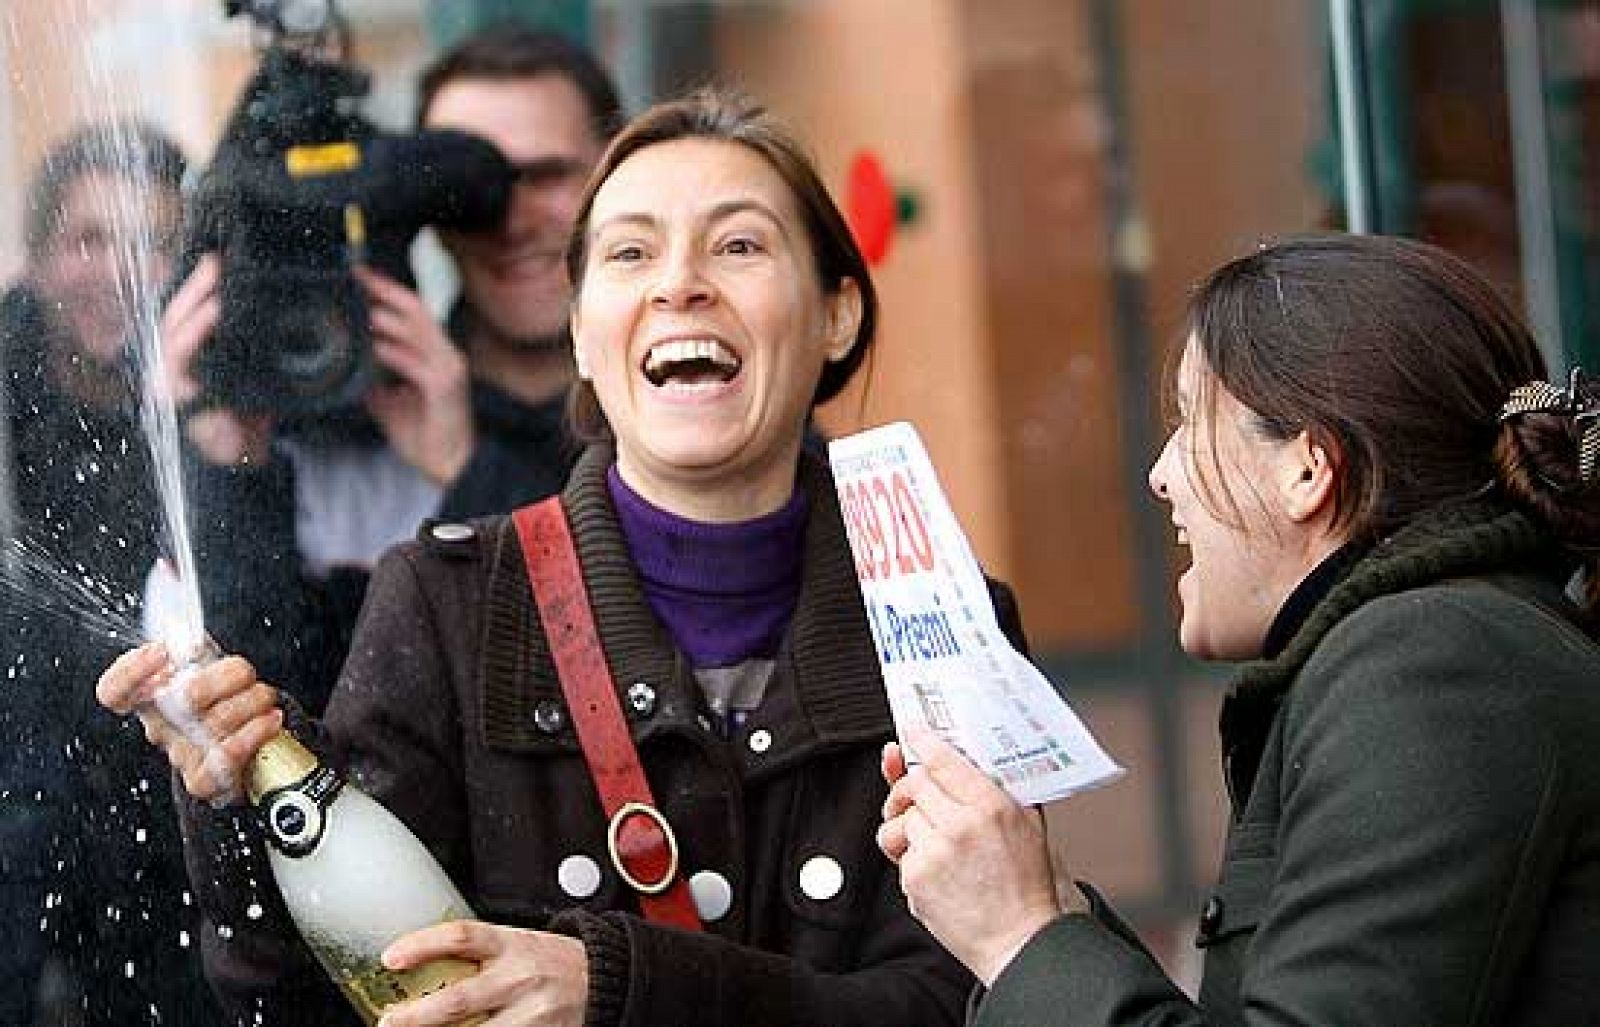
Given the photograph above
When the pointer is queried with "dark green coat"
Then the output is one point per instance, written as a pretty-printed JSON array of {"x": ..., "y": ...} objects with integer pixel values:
[{"x": 1415, "y": 832}]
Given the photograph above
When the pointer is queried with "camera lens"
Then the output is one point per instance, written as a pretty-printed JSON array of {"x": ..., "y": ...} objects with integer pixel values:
[{"x": 298, "y": 335}]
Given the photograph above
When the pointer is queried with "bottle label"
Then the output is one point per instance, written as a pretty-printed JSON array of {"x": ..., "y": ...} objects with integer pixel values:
[{"x": 296, "y": 817}]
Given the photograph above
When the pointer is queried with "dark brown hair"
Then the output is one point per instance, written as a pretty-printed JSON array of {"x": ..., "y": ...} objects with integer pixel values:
[
  {"x": 727, "y": 116},
  {"x": 132, "y": 149},
  {"x": 1396, "y": 358},
  {"x": 509, "y": 51}
]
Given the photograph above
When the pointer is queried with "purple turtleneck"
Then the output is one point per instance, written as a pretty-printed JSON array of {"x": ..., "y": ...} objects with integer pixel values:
[{"x": 724, "y": 592}]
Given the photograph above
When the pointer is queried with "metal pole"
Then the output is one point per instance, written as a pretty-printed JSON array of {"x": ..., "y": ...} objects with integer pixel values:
[
  {"x": 1158, "y": 662},
  {"x": 635, "y": 64},
  {"x": 1530, "y": 155},
  {"x": 1356, "y": 151}
]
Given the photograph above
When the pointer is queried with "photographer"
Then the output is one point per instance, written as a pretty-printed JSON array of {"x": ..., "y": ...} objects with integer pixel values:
[{"x": 290, "y": 520}]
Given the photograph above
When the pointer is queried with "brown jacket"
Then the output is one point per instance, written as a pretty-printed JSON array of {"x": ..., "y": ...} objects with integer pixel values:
[{"x": 449, "y": 712}]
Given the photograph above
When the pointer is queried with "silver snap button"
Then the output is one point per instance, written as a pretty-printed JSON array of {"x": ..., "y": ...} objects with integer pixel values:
[
  {"x": 760, "y": 741},
  {"x": 452, "y": 532},
  {"x": 579, "y": 876},
  {"x": 641, "y": 699},
  {"x": 549, "y": 717},
  {"x": 713, "y": 895},
  {"x": 821, "y": 878}
]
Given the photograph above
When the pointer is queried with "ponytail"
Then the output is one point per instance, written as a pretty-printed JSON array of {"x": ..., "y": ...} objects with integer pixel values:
[{"x": 1547, "y": 458}]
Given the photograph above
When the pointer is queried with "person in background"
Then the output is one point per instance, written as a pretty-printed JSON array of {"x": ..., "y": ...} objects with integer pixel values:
[
  {"x": 289, "y": 521},
  {"x": 93, "y": 897},
  {"x": 1393, "y": 521},
  {"x": 719, "y": 297}
]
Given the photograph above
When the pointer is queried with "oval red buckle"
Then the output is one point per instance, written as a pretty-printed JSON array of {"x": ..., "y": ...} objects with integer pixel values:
[{"x": 654, "y": 815}]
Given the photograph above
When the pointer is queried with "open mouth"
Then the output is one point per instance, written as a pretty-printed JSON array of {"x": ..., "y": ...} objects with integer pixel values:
[{"x": 690, "y": 362}]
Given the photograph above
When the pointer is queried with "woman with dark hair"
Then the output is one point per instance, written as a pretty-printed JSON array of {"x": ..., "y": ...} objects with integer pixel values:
[
  {"x": 1395, "y": 520},
  {"x": 718, "y": 298}
]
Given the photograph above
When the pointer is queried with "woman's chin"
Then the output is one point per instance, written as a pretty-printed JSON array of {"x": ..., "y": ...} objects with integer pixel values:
[{"x": 689, "y": 453}]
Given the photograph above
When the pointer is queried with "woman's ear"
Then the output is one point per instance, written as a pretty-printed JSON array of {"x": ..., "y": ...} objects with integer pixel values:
[
  {"x": 844, "y": 319},
  {"x": 1309, "y": 480}
]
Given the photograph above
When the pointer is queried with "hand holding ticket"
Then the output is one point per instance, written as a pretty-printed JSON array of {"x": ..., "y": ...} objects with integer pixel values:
[{"x": 947, "y": 666}]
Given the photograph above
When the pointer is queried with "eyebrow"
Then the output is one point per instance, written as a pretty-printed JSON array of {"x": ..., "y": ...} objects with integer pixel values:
[{"x": 718, "y": 212}]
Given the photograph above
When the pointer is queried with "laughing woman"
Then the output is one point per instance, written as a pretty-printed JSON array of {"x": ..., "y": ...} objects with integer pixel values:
[
  {"x": 719, "y": 298},
  {"x": 1385, "y": 504}
]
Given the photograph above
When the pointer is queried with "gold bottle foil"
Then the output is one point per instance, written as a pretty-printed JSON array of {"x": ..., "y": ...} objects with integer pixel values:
[{"x": 280, "y": 762}]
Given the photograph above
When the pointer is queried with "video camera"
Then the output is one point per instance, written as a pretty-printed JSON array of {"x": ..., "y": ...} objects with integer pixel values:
[{"x": 301, "y": 189}]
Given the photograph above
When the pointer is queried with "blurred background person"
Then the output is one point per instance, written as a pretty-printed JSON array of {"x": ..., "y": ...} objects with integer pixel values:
[
  {"x": 93, "y": 898},
  {"x": 1396, "y": 520},
  {"x": 290, "y": 518}
]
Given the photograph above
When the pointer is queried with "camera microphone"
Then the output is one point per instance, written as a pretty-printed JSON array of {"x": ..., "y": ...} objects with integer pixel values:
[{"x": 438, "y": 177}]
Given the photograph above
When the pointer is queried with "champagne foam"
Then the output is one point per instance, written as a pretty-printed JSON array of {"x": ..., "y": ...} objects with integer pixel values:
[{"x": 173, "y": 702}]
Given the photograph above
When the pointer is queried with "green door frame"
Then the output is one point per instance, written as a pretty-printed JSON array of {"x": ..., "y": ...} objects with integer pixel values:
[{"x": 1560, "y": 270}]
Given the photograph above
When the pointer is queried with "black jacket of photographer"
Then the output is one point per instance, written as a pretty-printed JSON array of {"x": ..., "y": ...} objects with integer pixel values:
[{"x": 261, "y": 599}]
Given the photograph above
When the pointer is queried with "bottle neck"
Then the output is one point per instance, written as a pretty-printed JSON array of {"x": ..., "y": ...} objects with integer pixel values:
[{"x": 280, "y": 762}]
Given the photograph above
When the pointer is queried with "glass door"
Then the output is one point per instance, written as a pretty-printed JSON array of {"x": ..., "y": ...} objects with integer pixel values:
[{"x": 1473, "y": 125}]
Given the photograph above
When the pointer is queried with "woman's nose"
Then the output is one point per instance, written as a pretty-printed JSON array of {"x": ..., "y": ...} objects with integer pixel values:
[
  {"x": 680, "y": 284},
  {"x": 1157, "y": 478}
]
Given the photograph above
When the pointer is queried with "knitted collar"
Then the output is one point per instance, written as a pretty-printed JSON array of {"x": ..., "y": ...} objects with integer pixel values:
[
  {"x": 1473, "y": 538},
  {"x": 838, "y": 684}
]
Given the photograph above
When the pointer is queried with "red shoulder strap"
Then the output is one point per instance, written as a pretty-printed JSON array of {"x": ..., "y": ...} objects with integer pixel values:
[{"x": 642, "y": 846}]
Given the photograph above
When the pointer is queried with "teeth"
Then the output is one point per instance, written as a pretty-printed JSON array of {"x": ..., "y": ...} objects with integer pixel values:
[{"x": 684, "y": 350}]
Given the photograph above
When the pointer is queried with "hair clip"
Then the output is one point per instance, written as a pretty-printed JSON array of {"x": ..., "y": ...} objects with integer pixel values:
[
  {"x": 1586, "y": 414},
  {"x": 1579, "y": 401}
]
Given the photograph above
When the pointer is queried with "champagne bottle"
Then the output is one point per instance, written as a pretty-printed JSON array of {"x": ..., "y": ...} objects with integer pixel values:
[{"x": 352, "y": 876}]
